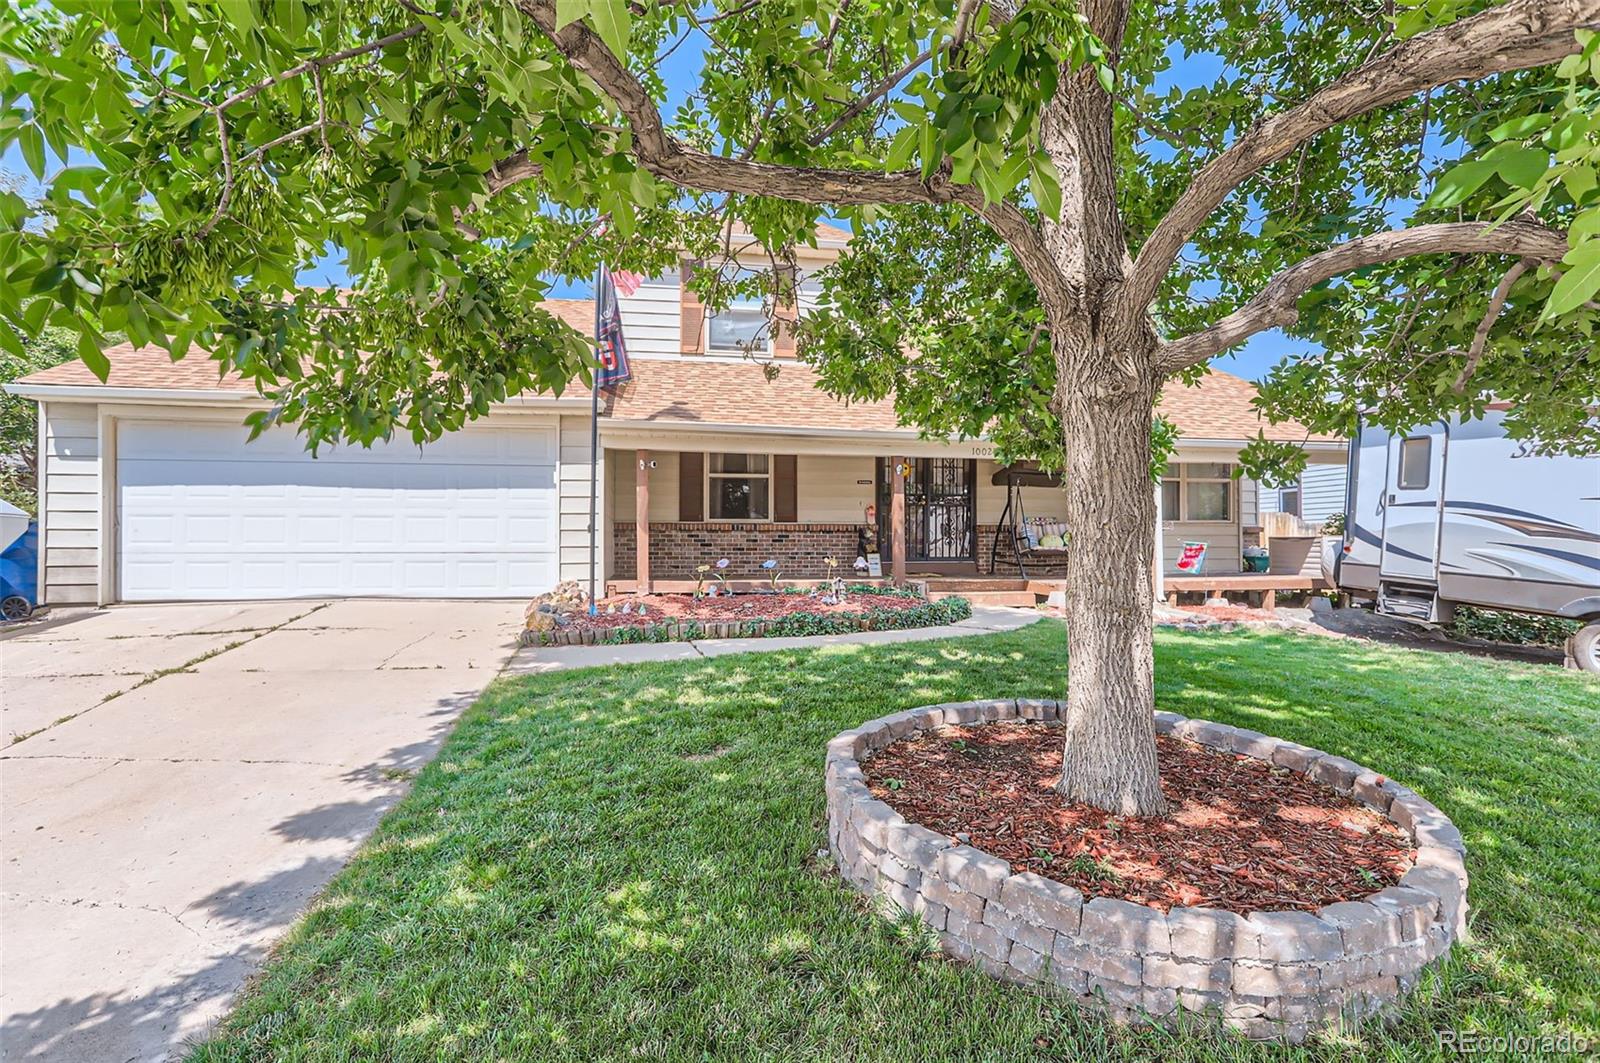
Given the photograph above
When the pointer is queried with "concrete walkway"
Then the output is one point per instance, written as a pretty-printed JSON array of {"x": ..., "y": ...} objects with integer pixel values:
[
  {"x": 191, "y": 775},
  {"x": 985, "y": 620},
  {"x": 178, "y": 781}
]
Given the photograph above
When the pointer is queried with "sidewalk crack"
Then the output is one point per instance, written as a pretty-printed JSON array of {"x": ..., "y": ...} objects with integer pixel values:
[{"x": 151, "y": 677}]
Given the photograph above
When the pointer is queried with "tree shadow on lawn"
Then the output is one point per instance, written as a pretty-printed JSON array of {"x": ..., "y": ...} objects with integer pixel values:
[{"x": 576, "y": 878}]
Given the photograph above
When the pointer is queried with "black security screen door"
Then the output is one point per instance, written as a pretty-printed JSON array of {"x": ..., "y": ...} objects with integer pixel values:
[{"x": 940, "y": 509}]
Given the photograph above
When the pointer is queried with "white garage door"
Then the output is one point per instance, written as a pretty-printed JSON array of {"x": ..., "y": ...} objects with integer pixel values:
[{"x": 203, "y": 515}]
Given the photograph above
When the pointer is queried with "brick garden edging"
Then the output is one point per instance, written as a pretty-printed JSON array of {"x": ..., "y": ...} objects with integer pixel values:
[{"x": 1272, "y": 975}]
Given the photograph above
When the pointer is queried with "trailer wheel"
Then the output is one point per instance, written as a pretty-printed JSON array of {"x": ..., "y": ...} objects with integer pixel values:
[
  {"x": 16, "y": 607},
  {"x": 1583, "y": 649}
]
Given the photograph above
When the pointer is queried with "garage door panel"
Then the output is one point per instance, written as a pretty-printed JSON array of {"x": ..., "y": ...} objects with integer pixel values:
[{"x": 205, "y": 515}]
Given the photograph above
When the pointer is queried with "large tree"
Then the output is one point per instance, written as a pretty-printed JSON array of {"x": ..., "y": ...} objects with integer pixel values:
[{"x": 1044, "y": 215}]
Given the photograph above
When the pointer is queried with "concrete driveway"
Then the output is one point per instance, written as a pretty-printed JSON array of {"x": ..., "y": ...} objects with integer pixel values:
[{"x": 187, "y": 777}]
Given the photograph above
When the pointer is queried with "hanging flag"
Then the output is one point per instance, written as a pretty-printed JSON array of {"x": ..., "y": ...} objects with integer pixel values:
[
  {"x": 627, "y": 281},
  {"x": 613, "y": 352}
]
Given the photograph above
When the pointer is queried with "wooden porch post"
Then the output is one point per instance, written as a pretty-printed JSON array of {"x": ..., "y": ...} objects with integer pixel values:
[
  {"x": 897, "y": 519},
  {"x": 641, "y": 516}
]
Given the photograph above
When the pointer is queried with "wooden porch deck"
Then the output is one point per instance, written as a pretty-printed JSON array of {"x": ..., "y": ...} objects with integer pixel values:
[{"x": 1010, "y": 590}]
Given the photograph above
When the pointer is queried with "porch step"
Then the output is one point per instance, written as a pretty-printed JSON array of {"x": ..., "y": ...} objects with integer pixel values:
[{"x": 1023, "y": 598}]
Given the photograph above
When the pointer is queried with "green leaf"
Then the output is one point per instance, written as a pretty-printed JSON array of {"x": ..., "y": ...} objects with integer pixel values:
[
  {"x": 92, "y": 356},
  {"x": 1522, "y": 166},
  {"x": 32, "y": 143},
  {"x": 901, "y": 150},
  {"x": 1579, "y": 182},
  {"x": 1579, "y": 283},
  {"x": 570, "y": 11},
  {"x": 612, "y": 22},
  {"x": 242, "y": 13},
  {"x": 1046, "y": 184},
  {"x": 1520, "y": 128},
  {"x": 1458, "y": 183}
]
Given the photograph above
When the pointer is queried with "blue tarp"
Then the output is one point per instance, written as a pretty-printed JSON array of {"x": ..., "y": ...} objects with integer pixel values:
[{"x": 19, "y": 566}]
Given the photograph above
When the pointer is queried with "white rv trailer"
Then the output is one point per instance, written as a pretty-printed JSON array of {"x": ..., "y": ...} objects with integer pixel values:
[{"x": 1458, "y": 513}]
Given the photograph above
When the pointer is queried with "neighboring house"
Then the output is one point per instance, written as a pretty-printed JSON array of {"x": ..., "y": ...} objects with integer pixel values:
[
  {"x": 1316, "y": 496},
  {"x": 150, "y": 491}
]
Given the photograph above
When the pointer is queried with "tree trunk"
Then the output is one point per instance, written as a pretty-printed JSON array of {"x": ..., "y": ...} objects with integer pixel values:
[
  {"x": 1110, "y": 758},
  {"x": 1105, "y": 391}
]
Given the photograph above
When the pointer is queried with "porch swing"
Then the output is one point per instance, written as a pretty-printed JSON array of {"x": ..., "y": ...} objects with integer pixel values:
[{"x": 1028, "y": 537}]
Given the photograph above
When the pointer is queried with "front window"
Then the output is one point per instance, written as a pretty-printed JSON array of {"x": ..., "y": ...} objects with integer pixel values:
[
  {"x": 1198, "y": 491},
  {"x": 1289, "y": 500},
  {"x": 741, "y": 327},
  {"x": 739, "y": 487}
]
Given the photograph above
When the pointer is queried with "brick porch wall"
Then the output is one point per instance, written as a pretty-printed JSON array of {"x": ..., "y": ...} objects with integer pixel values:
[
  {"x": 676, "y": 548},
  {"x": 1046, "y": 566}
]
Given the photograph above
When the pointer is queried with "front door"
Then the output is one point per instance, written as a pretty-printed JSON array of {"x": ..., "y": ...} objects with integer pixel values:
[
  {"x": 940, "y": 515},
  {"x": 1413, "y": 487}
]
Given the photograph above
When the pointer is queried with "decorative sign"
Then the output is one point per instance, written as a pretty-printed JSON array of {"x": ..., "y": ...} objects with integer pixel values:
[
  {"x": 1192, "y": 559},
  {"x": 875, "y": 566}
]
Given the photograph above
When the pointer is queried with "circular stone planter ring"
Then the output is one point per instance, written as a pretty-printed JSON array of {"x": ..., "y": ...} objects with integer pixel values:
[{"x": 1272, "y": 975}]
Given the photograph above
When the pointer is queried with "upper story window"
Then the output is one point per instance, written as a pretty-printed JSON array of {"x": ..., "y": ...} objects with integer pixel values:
[
  {"x": 739, "y": 487},
  {"x": 1198, "y": 491},
  {"x": 741, "y": 327}
]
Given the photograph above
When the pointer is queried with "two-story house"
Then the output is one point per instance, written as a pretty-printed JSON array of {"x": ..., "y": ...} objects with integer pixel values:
[{"x": 149, "y": 490}]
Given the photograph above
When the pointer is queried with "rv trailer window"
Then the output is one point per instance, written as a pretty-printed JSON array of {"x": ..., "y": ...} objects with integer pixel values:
[{"x": 1414, "y": 455}]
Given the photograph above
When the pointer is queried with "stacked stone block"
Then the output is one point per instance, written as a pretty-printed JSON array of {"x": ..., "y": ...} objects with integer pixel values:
[{"x": 1273, "y": 975}]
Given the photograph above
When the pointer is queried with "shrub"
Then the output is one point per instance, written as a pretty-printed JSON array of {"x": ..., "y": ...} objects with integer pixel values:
[
  {"x": 924, "y": 614},
  {"x": 1522, "y": 629}
]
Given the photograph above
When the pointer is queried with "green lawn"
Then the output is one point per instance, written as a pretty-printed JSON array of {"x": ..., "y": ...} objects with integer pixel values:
[{"x": 622, "y": 863}]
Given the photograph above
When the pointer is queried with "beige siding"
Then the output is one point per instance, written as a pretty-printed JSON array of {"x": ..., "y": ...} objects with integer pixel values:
[
  {"x": 71, "y": 518},
  {"x": 1222, "y": 541},
  {"x": 1249, "y": 503},
  {"x": 1048, "y": 503},
  {"x": 650, "y": 318},
  {"x": 828, "y": 490},
  {"x": 663, "y": 484},
  {"x": 573, "y": 505}
]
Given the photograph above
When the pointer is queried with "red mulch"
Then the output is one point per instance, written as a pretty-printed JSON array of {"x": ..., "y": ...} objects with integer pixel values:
[
  {"x": 1240, "y": 613},
  {"x": 750, "y": 605},
  {"x": 1241, "y": 835}
]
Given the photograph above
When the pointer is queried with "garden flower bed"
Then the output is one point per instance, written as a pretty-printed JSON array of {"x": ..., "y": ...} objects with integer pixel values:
[
  {"x": 771, "y": 614},
  {"x": 1286, "y": 892}
]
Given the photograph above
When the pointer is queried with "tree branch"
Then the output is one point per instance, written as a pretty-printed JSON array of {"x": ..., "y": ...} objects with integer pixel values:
[
  {"x": 1480, "y": 335},
  {"x": 674, "y": 161},
  {"x": 882, "y": 89},
  {"x": 1275, "y": 305},
  {"x": 1513, "y": 36},
  {"x": 320, "y": 63}
]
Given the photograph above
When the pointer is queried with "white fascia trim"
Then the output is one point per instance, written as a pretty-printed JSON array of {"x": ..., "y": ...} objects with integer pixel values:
[
  {"x": 1317, "y": 445},
  {"x": 618, "y": 426},
  {"x": 101, "y": 392},
  {"x": 211, "y": 396}
]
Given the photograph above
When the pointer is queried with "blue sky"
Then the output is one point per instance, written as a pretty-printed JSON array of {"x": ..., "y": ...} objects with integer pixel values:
[{"x": 681, "y": 72}]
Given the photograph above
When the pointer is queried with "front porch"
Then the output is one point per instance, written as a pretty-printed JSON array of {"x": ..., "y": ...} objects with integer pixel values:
[{"x": 949, "y": 517}]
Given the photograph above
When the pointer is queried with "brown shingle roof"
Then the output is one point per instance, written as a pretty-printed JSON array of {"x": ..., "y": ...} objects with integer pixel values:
[
  {"x": 151, "y": 367},
  {"x": 144, "y": 367},
  {"x": 1219, "y": 407},
  {"x": 690, "y": 390},
  {"x": 704, "y": 391}
]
